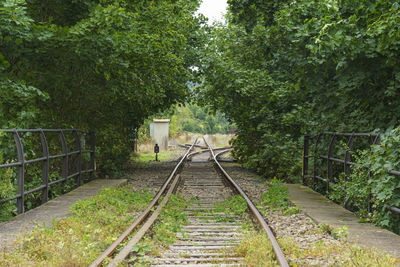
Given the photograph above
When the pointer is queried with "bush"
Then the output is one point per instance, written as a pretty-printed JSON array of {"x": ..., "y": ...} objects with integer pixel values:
[{"x": 382, "y": 186}]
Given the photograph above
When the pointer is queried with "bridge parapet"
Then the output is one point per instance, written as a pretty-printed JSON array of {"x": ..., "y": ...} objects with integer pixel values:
[
  {"x": 326, "y": 161},
  {"x": 64, "y": 155}
]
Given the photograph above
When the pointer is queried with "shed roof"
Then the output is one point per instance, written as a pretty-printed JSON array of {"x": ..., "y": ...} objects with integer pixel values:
[{"x": 161, "y": 120}]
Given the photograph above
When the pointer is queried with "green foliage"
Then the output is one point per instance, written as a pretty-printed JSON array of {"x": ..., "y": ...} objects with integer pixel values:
[
  {"x": 338, "y": 233},
  {"x": 341, "y": 253},
  {"x": 7, "y": 188},
  {"x": 190, "y": 118},
  {"x": 89, "y": 64},
  {"x": 382, "y": 186},
  {"x": 116, "y": 201},
  {"x": 235, "y": 205},
  {"x": 276, "y": 196},
  {"x": 196, "y": 119},
  {"x": 101, "y": 65},
  {"x": 171, "y": 220},
  {"x": 256, "y": 249},
  {"x": 281, "y": 69},
  {"x": 78, "y": 240},
  {"x": 163, "y": 232},
  {"x": 147, "y": 156},
  {"x": 385, "y": 188}
]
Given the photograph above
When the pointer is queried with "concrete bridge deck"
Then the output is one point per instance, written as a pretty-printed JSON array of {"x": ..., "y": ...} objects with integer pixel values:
[
  {"x": 322, "y": 210},
  {"x": 56, "y": 208}
]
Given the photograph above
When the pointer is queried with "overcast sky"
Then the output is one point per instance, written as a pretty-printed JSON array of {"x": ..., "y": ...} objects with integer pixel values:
[{"x": 213, "y": 9}]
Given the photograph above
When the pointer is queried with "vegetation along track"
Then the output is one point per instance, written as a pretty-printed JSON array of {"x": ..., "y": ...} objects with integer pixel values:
[{"x": 210, "y": 235}]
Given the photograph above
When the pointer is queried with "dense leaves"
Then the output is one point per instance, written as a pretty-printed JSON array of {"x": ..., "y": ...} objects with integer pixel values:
[
  {"x": 196, "y": 119},
  {"x": 95, "y": 64},
  {"x": 381, "y": 185},
  {"x": 283, "y": 69},
  {"x": 301, "y": 67}
]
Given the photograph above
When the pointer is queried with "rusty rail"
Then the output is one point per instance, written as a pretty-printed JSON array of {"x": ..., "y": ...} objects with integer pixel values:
[
  {"x": 277, "y": 249},
  {"x": 21, "y": 162},
  {"x": 144, "y": 215},
  {"x": 208, "y": 150},
  {"x": 128, "y": 248}
]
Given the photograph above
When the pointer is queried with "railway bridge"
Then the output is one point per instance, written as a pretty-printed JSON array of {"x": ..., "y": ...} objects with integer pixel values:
[{"x": 222, "y": 214}]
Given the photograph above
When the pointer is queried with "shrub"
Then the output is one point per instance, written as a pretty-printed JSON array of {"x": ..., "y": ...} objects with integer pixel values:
[{"x": 383, "y": 187}]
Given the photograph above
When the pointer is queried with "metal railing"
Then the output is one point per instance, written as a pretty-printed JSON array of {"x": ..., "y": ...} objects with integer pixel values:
[
  {"x": 20, "y": 162},
  {"x": 327, "y": 176}
]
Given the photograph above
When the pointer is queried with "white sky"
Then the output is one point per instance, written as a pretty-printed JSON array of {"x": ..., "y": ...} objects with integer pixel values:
[{"x": 213, "y": 9}]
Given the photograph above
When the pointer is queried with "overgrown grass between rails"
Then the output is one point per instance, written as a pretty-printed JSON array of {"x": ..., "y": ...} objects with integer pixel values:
[
  {"x": 163, "y": 233},
  {"x": 78, "y": 240},
  {"x": 236, "y": 205}
]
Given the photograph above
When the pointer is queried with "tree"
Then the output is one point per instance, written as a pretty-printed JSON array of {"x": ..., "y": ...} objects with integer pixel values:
[
  {"x": 94, "y": 64},
  {"x": 280, "y": 70}
]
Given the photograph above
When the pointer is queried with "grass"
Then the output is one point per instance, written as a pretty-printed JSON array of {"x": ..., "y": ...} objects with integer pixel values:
[
  {"x": 345, "y": 254},
  {"x": 78, "y": 240},
  {"x": 164, "y": 231},
  {"x": 235, "y": 205},
  {"x": 147, "y": 156},
  {"x": 277, "y": 198},
  {"x": 256, "y": 249},
  {"x": 340, "y": 253}
]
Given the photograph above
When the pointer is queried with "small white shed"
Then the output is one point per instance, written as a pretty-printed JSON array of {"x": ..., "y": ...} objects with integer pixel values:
[{"x": 160, "y": 132}]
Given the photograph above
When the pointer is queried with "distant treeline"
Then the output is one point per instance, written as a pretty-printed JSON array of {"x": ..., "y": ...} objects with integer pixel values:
[
  {"x": 196, "y": 119},
  {"x": 190, "y": 118}
]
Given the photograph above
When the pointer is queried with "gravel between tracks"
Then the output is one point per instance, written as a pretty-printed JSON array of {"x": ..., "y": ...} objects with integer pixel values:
[
  {"x": 150, "y": 176},
  {"x": 299, "y": 226},
  {"x": 299, "y": 229}
]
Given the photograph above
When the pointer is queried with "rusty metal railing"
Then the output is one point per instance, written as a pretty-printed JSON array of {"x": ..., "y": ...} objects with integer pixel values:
[
  {"x": 327, "y": 175},
  {"x": 21, "y": 163}
]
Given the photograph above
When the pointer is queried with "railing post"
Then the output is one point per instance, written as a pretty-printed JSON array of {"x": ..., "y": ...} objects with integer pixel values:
[
  {"x": 346, "y": 165},
  {"x": 45, "y": 167},
  {"x": 347, "y": 156},
  {"x": 369, "y": 206},
  {"x": 316, "y": 157},
  {"x": 305, "y": 157},
  {"x": 92, "y": 153},
  {"x": 330, "y": 153},
  {"x": 79, "y": 157},
  {"x": 64, "y": 147},
  {"x": 21, "y": 172}
]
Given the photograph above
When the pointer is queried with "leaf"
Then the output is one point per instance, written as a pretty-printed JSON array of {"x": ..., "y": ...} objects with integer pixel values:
[{"x": 135, "y": 248}]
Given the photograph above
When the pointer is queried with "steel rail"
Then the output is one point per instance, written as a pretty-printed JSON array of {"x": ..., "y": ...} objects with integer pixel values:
[
  {"x": 123, "y": 254},
  {"x": 223, "y": 152},
  {"x": 111, "y": 249},
  {"x": 277, "y": 249},
  {"x": 208, "y": 150}
]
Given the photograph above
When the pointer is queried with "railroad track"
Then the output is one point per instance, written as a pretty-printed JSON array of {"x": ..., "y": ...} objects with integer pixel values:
[{"x": 209, "y": 236}]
